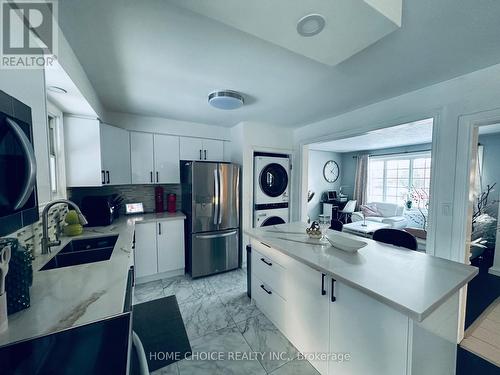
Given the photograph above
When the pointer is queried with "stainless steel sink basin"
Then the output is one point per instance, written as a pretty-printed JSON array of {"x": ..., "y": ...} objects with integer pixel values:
[{"x": 88, "y": 250}]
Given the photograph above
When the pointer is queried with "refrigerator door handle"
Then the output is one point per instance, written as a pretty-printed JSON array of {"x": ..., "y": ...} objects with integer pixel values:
[
  {"x": 210, "y": 236},
  {"x": 216, "y": 197},
  {"x": 220, "y": 196}
]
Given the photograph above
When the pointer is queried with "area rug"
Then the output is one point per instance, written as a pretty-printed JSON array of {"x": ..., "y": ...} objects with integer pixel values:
[{"x": 162, "y": 332}]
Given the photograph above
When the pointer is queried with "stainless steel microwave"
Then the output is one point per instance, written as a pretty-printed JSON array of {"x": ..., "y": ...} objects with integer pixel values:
[{"x": 18, "y": 193}]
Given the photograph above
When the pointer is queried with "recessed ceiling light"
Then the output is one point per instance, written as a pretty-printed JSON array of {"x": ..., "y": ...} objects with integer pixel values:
[
  {"x": 226, "y": 99},
  {"x": 57, "y": 90},
  {"x": 311, "y": 25}
]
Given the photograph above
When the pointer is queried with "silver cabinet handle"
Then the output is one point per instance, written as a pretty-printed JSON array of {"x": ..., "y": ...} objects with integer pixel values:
[
  {"x": 159, "y": 229},
  {"x": 200, "y": 156},
  {"x": 205, "y": 154},
  {"x": 209, "y": 236},
  {"x": 30, "y": 174}
]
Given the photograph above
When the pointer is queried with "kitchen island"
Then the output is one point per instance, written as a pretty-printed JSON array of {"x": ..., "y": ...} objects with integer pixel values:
[{"x": 382, "y": 310}]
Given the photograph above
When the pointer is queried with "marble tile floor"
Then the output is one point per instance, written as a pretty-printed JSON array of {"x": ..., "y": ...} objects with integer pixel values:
[{"x": 227, "y": 332}]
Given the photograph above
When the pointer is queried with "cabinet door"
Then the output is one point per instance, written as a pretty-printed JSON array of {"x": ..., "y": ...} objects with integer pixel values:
[
  {"x": 213, "y": 150},
  {"x": 167, "y": 170},
  {"x": 115, "y": 146},
  {"x": 374, "y": 334},
  {"x": 141, "y": 155},
  {"x": 83, "y": 152},
  {"x": 170, "y": 245},
  {"x": 145, "y": 254},
  {"x": 307, "y": 323},
  {"x": 191, "y": 148}
]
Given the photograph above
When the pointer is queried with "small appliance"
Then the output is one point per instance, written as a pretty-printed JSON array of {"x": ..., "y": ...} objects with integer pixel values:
[
  {"x": 134, "y": 208},
  {"x": 101, "y": 210}
]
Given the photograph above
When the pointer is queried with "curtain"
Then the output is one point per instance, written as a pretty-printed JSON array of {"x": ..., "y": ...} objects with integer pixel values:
[{"x": 361, "y": 180}]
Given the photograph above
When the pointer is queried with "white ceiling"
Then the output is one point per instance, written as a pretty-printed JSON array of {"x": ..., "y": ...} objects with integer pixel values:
[
  {"x": 413, "y": 133},
  {"x": 154, "y": 58},
  {"x": 350, "y": 27},
  {"x": 71, "y": 102}
]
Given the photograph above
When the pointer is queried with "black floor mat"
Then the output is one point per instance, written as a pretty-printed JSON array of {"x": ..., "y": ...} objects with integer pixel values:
[{"x": 160, "y": 327}]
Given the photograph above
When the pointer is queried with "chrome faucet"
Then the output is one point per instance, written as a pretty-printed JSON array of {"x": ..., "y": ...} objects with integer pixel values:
[{"x": 46, "y": 242}]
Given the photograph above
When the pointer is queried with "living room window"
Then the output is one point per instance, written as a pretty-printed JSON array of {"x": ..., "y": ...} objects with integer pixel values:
[{"x": 392, "y": 178}]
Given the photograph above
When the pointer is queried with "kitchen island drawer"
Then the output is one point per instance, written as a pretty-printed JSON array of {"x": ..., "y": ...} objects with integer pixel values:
[
  {"x": 269, "y": 302},
  {"x": 272, "y": 273}
]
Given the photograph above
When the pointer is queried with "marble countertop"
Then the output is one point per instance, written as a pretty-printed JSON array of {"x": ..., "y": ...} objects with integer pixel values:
[
  {"x": 411, "y": 282},
  {"x": 71, "y": 296}
]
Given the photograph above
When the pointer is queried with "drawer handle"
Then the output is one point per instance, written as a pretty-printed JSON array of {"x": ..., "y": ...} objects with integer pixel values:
[
  {"x": 265, "y": 290},
  {"x": 323, "y": 291},
  {"x": 333, "y": 291},
  {"x": 266, "y": 245},
  {"x": 266, "y": 262}
]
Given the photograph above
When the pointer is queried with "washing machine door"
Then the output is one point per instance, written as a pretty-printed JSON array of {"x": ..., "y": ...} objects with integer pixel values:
[
  {"x": 273, "y": 180},
  {"x": 273, "y": 220}
]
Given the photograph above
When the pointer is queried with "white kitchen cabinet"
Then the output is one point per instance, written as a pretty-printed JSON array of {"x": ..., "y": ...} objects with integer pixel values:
[
  {"x": 201, "y": 149},
  {"x": 374, "y": 335},
  {"x": 213, "y": 150},
  {"x": 170, "y": 243},
  {"x": 145, "y": 254},
  {"x": 308, "y": 326},
  {"x": 96, "y": 154},
  {"x": 166, "y": 159},
  {"x": 115, "y": 146},
  {"x": 159, "y": 248},
  {"x": 141, "y": 151}
]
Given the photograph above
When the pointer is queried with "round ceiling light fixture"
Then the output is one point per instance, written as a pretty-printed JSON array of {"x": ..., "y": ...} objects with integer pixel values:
[
  {"x": 226, "y": 99},
  {"x": 57, "y": 90},
  {"x": 311, "y": 25}
]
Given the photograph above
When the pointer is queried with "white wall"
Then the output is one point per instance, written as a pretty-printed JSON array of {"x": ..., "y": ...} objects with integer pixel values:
[
  {"x": 166, "y": 126},
  {"x": 447, "y": 102},
  {"x": 247, "y": 137},
  {"x": 28, "y": 86},
  {"x": 317, "y": 182}
]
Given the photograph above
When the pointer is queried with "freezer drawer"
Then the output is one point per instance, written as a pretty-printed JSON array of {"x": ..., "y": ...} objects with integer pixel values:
[{"x": 214, "y": 252}]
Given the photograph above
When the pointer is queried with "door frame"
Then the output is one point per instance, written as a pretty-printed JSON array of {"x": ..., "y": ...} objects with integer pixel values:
[
  {"x": 467, "y": 141},
  {"x": 303, "y": 150}
]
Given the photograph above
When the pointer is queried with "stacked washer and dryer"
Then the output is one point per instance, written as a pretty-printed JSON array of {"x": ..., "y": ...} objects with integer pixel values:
[{"x": 271, "y": 189}]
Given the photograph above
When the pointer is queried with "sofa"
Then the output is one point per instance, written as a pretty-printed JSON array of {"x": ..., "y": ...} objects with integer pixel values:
[{"x": 390, "y": 213}]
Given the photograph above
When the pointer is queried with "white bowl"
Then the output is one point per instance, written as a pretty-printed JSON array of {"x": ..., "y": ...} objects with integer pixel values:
[{"x": 344, "y": 243}]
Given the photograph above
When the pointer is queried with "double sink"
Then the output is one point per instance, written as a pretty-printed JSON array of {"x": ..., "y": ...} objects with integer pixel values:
[{"x": 82, "y": 251}]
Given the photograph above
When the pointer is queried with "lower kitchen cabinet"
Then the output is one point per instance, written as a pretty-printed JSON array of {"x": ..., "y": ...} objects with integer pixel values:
[
  {"x": 159, "y": 248},
  {"x": 355, "y": 333}
]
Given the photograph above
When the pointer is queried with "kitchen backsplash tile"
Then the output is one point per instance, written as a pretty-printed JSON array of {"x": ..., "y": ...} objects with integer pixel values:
[
  {"x": 130, "y": 193},
  {"x": 31, "y": 236}
]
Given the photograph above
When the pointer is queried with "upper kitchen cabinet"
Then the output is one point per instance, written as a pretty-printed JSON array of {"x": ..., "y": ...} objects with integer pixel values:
[
  {"x": 96, "y": 154},
  {"x": 201, "y": 149},
  {"x": 155, "y": 158}
]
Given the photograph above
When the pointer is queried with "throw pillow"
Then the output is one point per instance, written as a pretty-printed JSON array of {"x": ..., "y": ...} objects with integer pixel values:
[{"x": 370, "y": 210}]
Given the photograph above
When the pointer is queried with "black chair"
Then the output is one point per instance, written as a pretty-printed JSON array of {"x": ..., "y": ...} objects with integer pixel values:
[
  {"x": 336, "y": 225},
  {"x": 396, "y": 237}
]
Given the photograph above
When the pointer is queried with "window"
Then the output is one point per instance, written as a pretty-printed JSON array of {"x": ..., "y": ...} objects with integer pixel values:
[
  {"x": 55, "y": 148},
  {"x": 391, "y": 179}
]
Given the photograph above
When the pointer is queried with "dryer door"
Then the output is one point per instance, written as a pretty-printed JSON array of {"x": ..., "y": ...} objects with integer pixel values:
[
  {"x": 273, "y": 180},
  {"x": 272, "y": 220}
]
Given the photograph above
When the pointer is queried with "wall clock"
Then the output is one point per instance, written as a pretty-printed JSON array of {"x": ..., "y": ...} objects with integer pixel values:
[{"x": 331, "y": 171}]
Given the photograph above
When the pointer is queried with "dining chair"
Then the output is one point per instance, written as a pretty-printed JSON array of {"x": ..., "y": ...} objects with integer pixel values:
[
  {"x": 337, "y": 225},
  {"x": 396, "y": 237},
  {"x": 346, "y": 212}
]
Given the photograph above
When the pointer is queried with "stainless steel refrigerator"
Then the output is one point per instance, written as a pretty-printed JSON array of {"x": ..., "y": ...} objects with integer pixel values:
[{"x": 211, "y": 201}]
